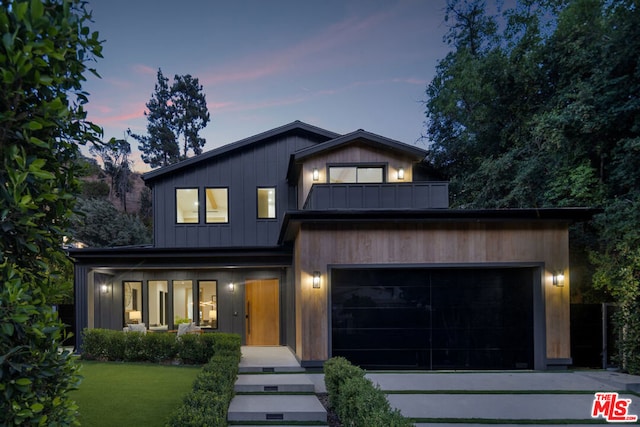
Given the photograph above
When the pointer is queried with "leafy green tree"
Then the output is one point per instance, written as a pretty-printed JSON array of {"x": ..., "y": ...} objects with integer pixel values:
[
  {"x": 115, "y": 158},
  {"x": 160, "y": 146},
  {"x": 544, "y": 112},
  {"x": 45, "y": 48},
  {"x": 190, "y": 113},
  {"x": 173, "y": 112},
  {"x": 99, "y": 224}
]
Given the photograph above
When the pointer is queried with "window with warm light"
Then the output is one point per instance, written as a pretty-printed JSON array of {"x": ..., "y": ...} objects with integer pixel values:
[
  {"x": 356, "y": 174},
  {"x": 187, "y": 206},
  {"x": 132, "y": 302},
  {"x": 182, "y": 301},
  {"x": 266, "y": 202},
  {"x": 208, "y": 303},
  {"x": 217, "y": 205}
]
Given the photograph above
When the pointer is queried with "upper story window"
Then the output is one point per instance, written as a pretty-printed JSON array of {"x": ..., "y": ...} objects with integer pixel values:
[
  {"x": 267, "y": 202},
  {"x": 187, "y": 206},
  {"x": 217, "y": 205},
  {"x": 356, "y": 174}
]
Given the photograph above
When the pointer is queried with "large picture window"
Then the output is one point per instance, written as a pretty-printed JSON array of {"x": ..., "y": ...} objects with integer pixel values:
[
  {"x": 187, "y": 206},
  {"x": 266, "y": 202},
  {"x": 182, "y": 302},
  {"x": 356, "y": 174},
  {"x": 217, "y": 205},
  {"x": 158, "y": 303},
  {"x": 208, "y": 303},
  {"x": 132, "y": 302}
]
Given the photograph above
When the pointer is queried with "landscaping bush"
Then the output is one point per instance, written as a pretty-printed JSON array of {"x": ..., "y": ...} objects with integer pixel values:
[
  {"x": 208, "y": 402},
  {"x": 161, "y": 347},
  {"x": 110, "y": 345},
  {"x": 194, "y": 349},
  {"x": 356, "y": 400},
  {"x": 337, "y": 371}
]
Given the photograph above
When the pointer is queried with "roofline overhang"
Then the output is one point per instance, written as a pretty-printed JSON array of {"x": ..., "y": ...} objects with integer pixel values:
[
  {"x": 297, "y": 158},
  {"x": 296, "y": 126},
  {"x": 152, "y": 257},
  {"x": 294, "y": 219}
]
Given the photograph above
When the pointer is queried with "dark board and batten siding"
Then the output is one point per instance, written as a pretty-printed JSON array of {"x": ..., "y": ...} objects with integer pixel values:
[{"x": 263, "y": 164}]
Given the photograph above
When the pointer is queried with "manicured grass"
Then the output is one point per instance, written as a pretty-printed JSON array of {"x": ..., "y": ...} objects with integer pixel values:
[{"x": 134, "y": 394}]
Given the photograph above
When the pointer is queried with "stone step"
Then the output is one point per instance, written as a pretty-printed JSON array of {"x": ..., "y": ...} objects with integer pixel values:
[
  {"x": 277, "y": 383},
  {"x": 255, "y": 408}
]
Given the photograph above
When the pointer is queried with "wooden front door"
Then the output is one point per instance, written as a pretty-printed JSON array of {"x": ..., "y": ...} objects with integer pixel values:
[{"x": 262, "y": 312}]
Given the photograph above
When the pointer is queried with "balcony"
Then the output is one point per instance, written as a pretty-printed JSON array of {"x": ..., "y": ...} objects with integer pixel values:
[{"x": 411, "y": 195}]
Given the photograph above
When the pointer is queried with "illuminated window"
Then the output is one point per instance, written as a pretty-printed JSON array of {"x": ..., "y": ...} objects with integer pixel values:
[
  {"x": 266, "y": 202},
  {"x": 182, "y": 301},
  {"x": 208, "y": 303},
  {"x": 356, "y": 174},
  {"x": 187, "y": 206},
  {"x": 217, "y": 205}
]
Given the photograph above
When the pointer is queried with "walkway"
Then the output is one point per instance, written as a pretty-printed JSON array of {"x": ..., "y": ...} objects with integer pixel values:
[
  {"x": 434, "y": 398},
  {"x": 273, "y": 387}
]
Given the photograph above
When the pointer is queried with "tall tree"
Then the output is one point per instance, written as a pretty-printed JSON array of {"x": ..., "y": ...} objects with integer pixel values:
[
  {"x": 173, "y": 112},
  {"x": 190, "y": 113},
  {"x": 45, "y": 50},
  {"x": 159, "y": 147},
  {"x": 547, "y": 114},
  {"x": 115, "y": 160}
]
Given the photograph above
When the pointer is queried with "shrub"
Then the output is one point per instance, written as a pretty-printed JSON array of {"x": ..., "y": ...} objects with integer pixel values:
[
  {"x": 356, "y": 400},
  {"x": 160, "y": 347},
  {"x": 110, "y": 345},
  {"x": 208, "y": 402},
  {"x": 337, "y": 371}
]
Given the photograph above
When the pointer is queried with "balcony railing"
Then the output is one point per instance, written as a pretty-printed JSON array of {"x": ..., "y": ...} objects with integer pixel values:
[{"x": 410, "y": 195}]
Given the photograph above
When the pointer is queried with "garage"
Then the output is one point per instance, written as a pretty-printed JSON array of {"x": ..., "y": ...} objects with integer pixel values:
[{"x": 434, "y": 318}]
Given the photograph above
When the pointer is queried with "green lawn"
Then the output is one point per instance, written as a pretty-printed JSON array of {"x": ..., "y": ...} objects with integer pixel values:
[{"x": 134, "y": 394}]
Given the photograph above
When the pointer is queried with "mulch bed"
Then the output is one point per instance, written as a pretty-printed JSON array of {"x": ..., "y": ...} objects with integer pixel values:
[{"x": 332, "y": 417}]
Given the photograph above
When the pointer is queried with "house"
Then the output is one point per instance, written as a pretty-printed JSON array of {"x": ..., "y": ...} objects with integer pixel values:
[{"x": 339, "y": 245}]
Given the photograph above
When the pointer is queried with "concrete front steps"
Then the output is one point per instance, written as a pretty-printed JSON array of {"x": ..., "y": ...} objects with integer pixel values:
[{"x": 272, "y": 389}]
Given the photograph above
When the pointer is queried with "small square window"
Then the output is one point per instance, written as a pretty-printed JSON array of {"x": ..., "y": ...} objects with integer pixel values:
[
  {"x": 266, "y": 202},
  {"x": 217, "y": 205},
  {"x": 187, "y": 206}
]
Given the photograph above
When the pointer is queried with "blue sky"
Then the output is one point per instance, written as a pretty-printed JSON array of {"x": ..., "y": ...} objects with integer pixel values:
[{"x": 337, "y": 64}]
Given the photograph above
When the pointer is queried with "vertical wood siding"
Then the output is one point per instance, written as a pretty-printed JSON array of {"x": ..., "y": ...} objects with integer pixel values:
[
  {"x": 318, "y": 246},
  {"x": 263, "y": 164}
]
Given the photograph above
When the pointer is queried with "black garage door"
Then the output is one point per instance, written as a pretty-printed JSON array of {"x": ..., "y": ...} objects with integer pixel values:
[{"x": 433, "y": 318}]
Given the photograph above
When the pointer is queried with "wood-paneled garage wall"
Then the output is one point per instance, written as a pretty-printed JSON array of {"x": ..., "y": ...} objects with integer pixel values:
[{"x": 453, "y": 243}]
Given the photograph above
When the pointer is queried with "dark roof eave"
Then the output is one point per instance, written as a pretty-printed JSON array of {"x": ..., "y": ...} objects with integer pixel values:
[
  {"x": 568, "y": 215},
  {"x": 160, "y": 257}
]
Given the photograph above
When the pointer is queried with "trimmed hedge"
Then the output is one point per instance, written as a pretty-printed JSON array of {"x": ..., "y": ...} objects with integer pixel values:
[
  {"x": 110, "y": 345},
  {"x": 208, "y": 402},
  {"x": 356, "y": 400}
]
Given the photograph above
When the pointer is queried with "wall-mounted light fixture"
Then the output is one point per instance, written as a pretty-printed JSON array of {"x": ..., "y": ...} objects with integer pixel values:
[
  {"x": 558, "y": 279},
  {"x": 232, "y": 287},
  {"x": 316, "y": 174},
  {"x": 316, "y": 280},
  {"x": 104, "y": 289},
  {"x": 400, "y": 173}
]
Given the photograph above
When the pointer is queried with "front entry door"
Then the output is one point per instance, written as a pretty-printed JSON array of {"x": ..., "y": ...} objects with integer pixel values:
[{"x": 262, "y": 312}]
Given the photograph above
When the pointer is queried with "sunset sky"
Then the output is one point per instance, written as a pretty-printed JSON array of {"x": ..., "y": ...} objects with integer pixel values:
[{"x": 342, "y": 65}]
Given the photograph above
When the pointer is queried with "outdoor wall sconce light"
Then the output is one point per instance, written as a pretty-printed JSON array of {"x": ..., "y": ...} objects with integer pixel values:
[
  {"x": 316, "y": 174},
  {"x": 316, "y": 280},
  {"x": 558, "y": 279},
  {"x": 104, "y": 289},
  {"x": 400, "y": 173},
  {"x": 232, "y": 287}
]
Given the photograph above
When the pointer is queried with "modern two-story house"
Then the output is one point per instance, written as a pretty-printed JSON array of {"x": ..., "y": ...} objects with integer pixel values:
[{"x": 338, "y": 245}]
